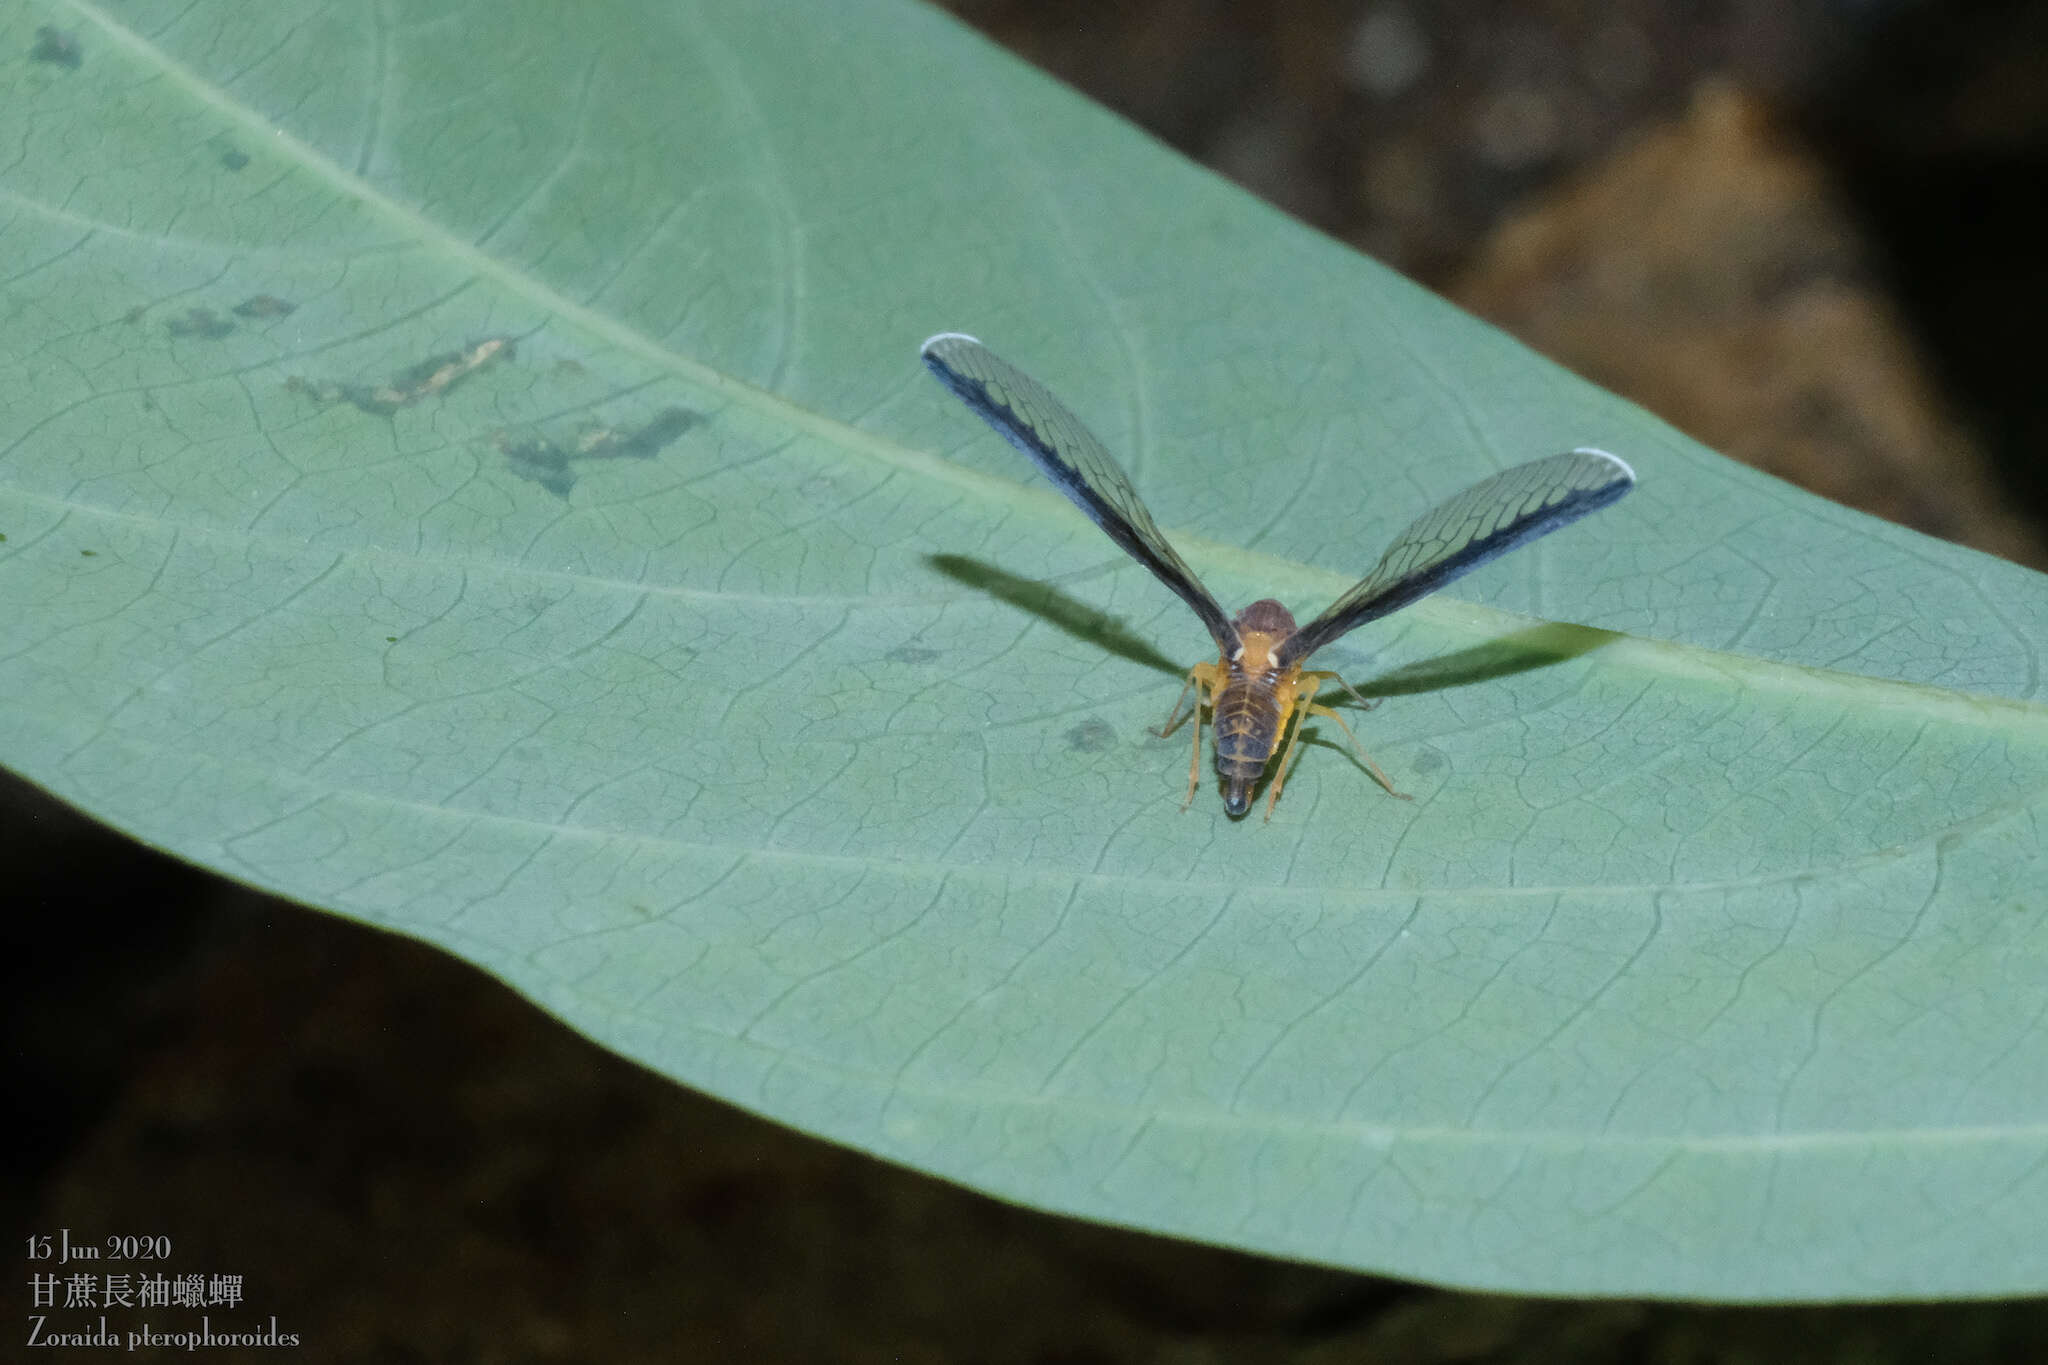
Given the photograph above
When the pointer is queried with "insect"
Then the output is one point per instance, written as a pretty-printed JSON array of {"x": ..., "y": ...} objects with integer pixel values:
[{"x": 1257, "y": 692}]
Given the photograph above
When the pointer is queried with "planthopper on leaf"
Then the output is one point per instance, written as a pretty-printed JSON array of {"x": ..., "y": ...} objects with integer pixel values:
[{"x": 1257, "y": 687}]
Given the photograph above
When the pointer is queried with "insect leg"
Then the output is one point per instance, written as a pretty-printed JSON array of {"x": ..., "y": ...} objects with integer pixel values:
[
  {"x": 1356, "y": 748},
  {"x": 1175, "y": 717},
  {"x": 1363, "y": 703},
  {"x": 1205, "y": 678},
  {"x": 1297, "y": 712}
]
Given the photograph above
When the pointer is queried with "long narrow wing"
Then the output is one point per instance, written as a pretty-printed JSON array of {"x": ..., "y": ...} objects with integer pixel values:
[
  {"x": 1026, "y": 414},
  {"x": 1489, "y": 518}
]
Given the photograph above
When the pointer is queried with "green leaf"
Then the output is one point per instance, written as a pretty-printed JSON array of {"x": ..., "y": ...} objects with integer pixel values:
[{"x": 692, "y": 662}]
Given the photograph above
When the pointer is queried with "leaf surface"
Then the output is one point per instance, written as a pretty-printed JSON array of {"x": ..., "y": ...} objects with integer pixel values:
[{"x": 466, "y": 468}]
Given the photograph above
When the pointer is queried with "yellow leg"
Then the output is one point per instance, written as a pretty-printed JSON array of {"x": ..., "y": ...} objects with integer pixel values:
[
  {"x": 1176, "y": 715},
  {"x": 1356, "y": 748},
  {"x": 1204, "y": 679},
  {"x": 1327, "y": 676},
  {"x": 1363, "y": 757},
  {"x": 1303, "y": 705}
]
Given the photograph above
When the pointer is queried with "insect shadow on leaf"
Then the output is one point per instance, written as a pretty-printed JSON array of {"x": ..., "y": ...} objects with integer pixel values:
[
  {"x": 1521, "y": 651},
  {"x": 1055, "y": 608}
]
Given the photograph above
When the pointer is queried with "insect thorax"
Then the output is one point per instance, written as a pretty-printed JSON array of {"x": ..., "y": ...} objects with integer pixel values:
[{"x": 1267, "y": 617}]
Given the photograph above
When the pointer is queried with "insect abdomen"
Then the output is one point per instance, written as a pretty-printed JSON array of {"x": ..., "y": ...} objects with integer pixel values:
[{"x": 1247, "y": 720}]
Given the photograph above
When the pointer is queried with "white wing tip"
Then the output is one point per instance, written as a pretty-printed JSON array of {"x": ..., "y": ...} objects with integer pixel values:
[
  {"x": 932, "y": 341},
  {"x": 1627, "y": 472}
]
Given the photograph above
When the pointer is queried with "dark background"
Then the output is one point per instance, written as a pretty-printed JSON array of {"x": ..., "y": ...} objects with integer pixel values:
[{"x": 1808, "y": 233}]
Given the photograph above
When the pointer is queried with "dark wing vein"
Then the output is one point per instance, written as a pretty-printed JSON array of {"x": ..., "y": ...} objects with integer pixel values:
[
  {"x": 1038, "y": 424},
  {"x": 1487, "y": 519}
]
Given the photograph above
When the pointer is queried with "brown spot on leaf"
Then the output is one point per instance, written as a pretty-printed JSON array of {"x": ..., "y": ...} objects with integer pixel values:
[
  {"x": 57, "y": 47},
  {"x": 643, "y": 442},
  {"x": 429, "y": 378},
  {"x": 537, "y": 458},
  {"x": 533, "y": 455},
  {"x": 1092, "y": 736},
  {"x": 203, "y": 323},
  {"x": 264, "y": 306}
]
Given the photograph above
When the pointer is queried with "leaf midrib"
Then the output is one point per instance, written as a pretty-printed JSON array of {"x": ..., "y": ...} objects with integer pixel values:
[{"x": 1469, "y": 622}]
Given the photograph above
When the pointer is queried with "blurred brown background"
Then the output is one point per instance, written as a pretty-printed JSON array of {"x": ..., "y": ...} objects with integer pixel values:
[{"x": 1808, "y": 233}]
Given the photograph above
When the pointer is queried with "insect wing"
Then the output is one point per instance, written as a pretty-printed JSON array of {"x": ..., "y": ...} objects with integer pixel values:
[
  {"x": 1026, "y": 414},
  {"x": 1488, "y": 519}
]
